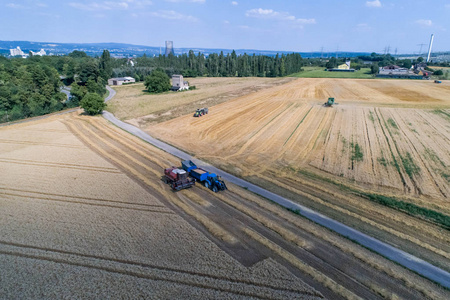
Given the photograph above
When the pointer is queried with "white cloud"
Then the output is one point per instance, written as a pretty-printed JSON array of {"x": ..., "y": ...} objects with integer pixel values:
[
  {"x": 90, "y": 6},
  {"x": 172, "y": 15},
  {"x": 374, "y": 3},
  {"x": 425, "y": 23},
  {"x": 226, "y": 22},
  {"x": 110, "y": 5},
  {"x": 113, "y": 4},
  {"x": 234, "y": 3},
  {"x": 16, "y": 6},
  {"x": 194, "y": 1},
  {"x": 274, "y": 15}
]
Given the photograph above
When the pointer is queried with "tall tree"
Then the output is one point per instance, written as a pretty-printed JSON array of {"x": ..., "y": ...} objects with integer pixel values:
[{"x": 105, "y": 65}]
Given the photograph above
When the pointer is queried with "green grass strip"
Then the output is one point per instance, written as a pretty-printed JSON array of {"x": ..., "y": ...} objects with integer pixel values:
[
  {"x": 411, "y": 209},
  {"x": 297, "y": 126}
]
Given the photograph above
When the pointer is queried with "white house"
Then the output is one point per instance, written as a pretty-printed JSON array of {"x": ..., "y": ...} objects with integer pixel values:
[
  {"x": 120, "y": 80},
  {"x": 178, "y": 84}
]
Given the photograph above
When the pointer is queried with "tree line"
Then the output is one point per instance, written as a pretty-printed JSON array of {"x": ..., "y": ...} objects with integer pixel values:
[{"x": 213, "y": 65}]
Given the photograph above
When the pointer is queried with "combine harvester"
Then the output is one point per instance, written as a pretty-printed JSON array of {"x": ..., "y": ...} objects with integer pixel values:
[
  {"x": 329, "y": 103},
  {"x": 210, "y": 180},
  {"x": 177, "y": 178}
]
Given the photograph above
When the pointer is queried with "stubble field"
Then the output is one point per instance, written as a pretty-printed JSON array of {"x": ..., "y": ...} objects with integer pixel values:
[
  {"x": 377, "y": 161},
  {"x": 379, "y": 135}
]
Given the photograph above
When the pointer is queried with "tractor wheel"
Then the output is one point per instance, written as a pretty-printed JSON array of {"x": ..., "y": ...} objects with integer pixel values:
[
  {"x": 207, "y": 184},
  {"x": 215, "y": 190}
]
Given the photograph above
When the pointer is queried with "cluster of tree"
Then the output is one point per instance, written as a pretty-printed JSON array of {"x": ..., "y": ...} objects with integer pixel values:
[
  {"x": 213, "y": 65},
  {"x": 157, "y": 81},
  {"x": 28, "y": 88},
  {"x": 32, "y": 87},
  {"x": 91, "y": 75}
]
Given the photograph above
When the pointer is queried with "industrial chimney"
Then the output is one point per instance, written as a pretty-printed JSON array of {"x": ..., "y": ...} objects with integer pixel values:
[
  {"x": 429, "y": 48},
  {"x": 169, "y": 48}
]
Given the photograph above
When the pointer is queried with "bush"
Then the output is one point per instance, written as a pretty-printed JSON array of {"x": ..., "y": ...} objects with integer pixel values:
[
  {"x": 411, "y": 209},
  {"x": 438, "y": 73},
  {"x": 157, "y": 82},
  {"x": 92, "y": 103}
]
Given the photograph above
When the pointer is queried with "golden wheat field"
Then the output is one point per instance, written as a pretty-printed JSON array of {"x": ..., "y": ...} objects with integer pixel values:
[
  {"x": 75, "y": 226},
  {"x": 390, "y": 136}
]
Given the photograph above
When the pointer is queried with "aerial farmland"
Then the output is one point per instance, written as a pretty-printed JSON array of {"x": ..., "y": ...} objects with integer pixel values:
[{"x": 107, "y": 226}]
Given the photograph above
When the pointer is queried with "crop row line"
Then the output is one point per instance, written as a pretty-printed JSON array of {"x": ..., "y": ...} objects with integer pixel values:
[
  {"x": 228, "y": 286},
  {"x": 28, "y": 198}
]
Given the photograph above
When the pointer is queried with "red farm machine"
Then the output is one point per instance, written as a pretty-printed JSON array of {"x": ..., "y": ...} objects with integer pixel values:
[{"x": 178, "y": 179}]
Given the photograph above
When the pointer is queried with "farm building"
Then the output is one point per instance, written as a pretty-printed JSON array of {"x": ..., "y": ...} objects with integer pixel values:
[
  {"x": 178, "y": 84},
  {"x": 120, "y": 80},
  {"x": 393, "y": 71},
  {"x": 343, "y": 68}
]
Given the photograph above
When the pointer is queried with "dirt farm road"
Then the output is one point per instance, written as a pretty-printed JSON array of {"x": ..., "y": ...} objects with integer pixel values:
[{"x": 409, "y": 261}]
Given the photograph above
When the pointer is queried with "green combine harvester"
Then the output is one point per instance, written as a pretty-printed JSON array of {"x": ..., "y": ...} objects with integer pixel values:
[{"x": 329, "y": 103}]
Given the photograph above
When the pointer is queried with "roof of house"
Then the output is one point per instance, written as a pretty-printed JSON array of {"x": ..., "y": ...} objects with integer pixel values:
[{"x": 121, "y": 78}]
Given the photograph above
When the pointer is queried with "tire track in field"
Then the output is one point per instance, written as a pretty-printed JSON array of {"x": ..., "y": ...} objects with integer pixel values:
[
  {"x": 361, "y": 218},
  {"x": 206, "y": 222},
  {"x": 318, "y": 276},
  {"x": 363, "y": 285},
  {"x": 79, "y": 197},
  {"x": 212, "y": 227},
  {"x": 414, "y": 146},
  {"x": 28, "y": 198},
  {"x": 88, "y": 260},
  {"x": 41, "y": 130},
  {"x": 306, "y": 151},
  {"x": 395, "y": 216},
  {"x": 58, "y": 165},
  {"x": 346, "y": 246},
  {"x": 135, "y": 149},
  {"x": 274, "y": 224},
  {"x": 139, "y": 143},
  {"x": 5, "y": 141},
  {"x": 301, "y": 121},
  {"x": 378, "y": 114},
  {"x": 259, "y": 132}
]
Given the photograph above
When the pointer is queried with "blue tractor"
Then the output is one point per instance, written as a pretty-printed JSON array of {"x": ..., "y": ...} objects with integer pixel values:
[{"x": 211, "y": 180}]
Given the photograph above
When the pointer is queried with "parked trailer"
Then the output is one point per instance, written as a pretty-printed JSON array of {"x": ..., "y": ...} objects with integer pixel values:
[
  {"x": 178, "y": 178},
  {"x": 211, "y": 180}
]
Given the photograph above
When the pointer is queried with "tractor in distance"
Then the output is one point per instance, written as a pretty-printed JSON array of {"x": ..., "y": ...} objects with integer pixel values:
[
  {"x": 329, "y": 103},
  {"x": 211, "y": 180},
  {"x": 178, "y": 178},
  {"x": 437, "y": 81},
  {"x": 200, "y": 112}
]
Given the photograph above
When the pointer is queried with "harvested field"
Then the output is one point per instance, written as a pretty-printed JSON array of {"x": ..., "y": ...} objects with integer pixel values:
[
  {"x": 385, "y": 138},
  {"x": 123, "y": 232},
  {"x": 140, "y": 108}
]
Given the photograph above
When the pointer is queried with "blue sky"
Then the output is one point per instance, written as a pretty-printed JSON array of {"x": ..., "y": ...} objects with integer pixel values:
[{"x": 291, "y": 25}]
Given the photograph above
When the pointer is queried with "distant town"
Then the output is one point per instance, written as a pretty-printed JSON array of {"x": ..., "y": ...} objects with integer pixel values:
[{"x": 119, "y": 50}]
